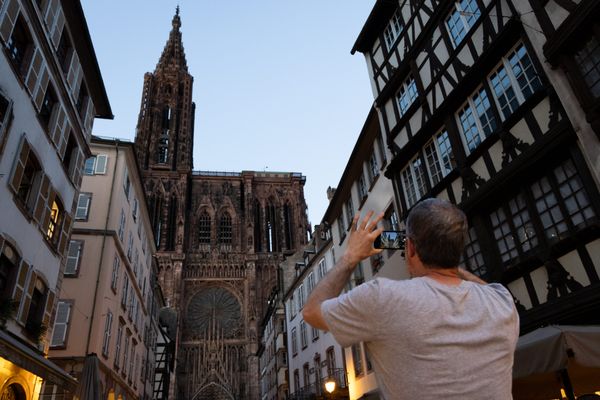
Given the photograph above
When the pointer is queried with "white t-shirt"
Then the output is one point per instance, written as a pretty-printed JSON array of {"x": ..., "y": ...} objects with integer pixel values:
[{"x": 428, "y": 340}]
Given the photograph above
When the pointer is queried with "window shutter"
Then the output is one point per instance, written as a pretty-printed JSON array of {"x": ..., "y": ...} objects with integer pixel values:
[
  {"x": 19, "y": 166},
  {"x": 47, "y": 207},
  {"x": 57, "y": 29},
  {"x": 101, "y": 164},
  {"x": 8, "y": 19},
  {"x": 41, "y": 86},
  {"x": 26, "y": 301},
  {"x": 65, "y": 233},
  {"x": 59, "y": 333},
  {"x": 59, "y": 127},
  {"x": 49, "y": 308},
  {"x": 40, "y": 204},
  {"x": 89, "y": 117},
  {"x": 75, "y": 167},
  {"x": 74, "y": 75},
  {"x": 34, "y": 70},
  {"x": 19, "y": 289}
]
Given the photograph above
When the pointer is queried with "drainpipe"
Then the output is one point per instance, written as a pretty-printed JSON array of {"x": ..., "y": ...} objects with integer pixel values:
[{"x": 87, "y": 346}]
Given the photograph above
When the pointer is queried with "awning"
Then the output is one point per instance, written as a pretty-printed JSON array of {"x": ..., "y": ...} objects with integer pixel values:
[
  {"x": 27, "y": 358},
  {"x": 557, "y": 357}
]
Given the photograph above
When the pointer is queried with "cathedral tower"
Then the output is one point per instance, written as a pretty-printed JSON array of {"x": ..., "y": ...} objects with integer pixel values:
[{"x": 221, "y": 237}]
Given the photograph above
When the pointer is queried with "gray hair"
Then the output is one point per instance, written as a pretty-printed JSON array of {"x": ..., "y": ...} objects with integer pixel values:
[{"x": 438, "y": 229}]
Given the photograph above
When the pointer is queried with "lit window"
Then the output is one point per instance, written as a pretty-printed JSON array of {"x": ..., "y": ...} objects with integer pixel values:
[
  {"x": 56, "y": 215},
  {"x": 463, "y": 16}
]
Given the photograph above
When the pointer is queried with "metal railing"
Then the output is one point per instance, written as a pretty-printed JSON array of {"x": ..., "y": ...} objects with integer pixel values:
[{"x": 316, "y": 390}]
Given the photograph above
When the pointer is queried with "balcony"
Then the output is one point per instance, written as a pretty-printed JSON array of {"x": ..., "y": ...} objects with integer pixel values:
[{"x": 316, "y": 390}]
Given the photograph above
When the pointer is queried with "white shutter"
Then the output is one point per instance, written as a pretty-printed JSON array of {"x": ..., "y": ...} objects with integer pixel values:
[
  {"x": 107, "y": 329},
  {"x": 59, "y": 333},
  {"x": 74, "y": 75},
  {"x": 57, "y": 28},
  {"x": 8, "y": 17},
  {"x": 101, "y": 163},
  {"x": 33, "y": 74},
  {"x": 26, "y": 300},
  {"x": 73, "y": 257}
]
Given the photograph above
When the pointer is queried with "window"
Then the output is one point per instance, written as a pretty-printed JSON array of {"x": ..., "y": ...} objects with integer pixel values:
[
  {"x": 462, "y": 17},
  {"x": 373, "y": 168},
  {"x": 362, "y": 187},
  {"x": 357, "y": 359},
  {"x": 204, "y": 228},
  {"x": 476, "y": 120},
  {"x": 121, "y": 231},
  {"x": 393, "y": 29},
  {"x": 55, "y": 222},
  {"x": 27, "y": 176},
  {"x": 390, "y": 220},
  {"x": 315, "y": 334},
  {"x": 130, "y": 246},
  {"x": 37, "y": 306},
  {"x": 74, "y": 257},
  {"x": 61, "y": 324},
  {"x": 125, "y": 291},
  {"x": 513, "y": 229},
  {"x": 82, "y": 100},
  {"x": 225, "y": 232},
  {"x": 473, "y": 256},
  {"x": 358, "y": 276},
  {"x": 134, "y": 209},
  {"x": 83, "y": 206},
  {"x": 5, "y": 115},
  {"x": 125, "y": 353},
  {"x": 126, "y": 184},
  {"x": 48, "y": 105},
  {"x": 96, "y": 165},
  {"x": 413, "y": 181},
  {"x": 310, "y": 283},
  {"x": 514, "y": 80},
  {"x": 341, "y": 227},
  {"x": 349, "y": 211},
  {"x": 303, "y": 338},
  {"x": 114, "y": 278},
  {"x": 9, "y": 268},
  {"x": 19, "y": 44},
  {"x": 588, "y": 62},
  {"x": 322, "y": 268},
  {"x": 294, "y": 341},
  {"x": 107, "y": 330},
  {"x": 64, "y": 51},
  {"x": 306, "y": 375},
  {"x": 296, "y": 380},
  {"x": 330, "y": 358},
  {"x": 118, "y": 345},
  {"x": 406, "y": 95},
  {"x": 440, "y": 160},
  {"x": 300, "y": 296}
]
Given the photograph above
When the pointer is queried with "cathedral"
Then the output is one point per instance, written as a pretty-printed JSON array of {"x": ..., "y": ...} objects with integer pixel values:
[{"x": 220, "y": 237}]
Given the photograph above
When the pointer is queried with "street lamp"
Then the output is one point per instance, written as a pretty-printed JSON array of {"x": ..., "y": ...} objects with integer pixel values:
[{"x": 330, "y": 385}]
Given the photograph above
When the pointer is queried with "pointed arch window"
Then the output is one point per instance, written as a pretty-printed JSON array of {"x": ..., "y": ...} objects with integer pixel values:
[
  {"x": 288, "y": 227},
  {"x": 204, "y": 228},
  {"x": 257, "y": 227},
  {"x": 172, "y": 223},
  {"x": 271, "y": 228},
  {"x": 163, "y": 140},
  {"x": 225, "y": 229}
]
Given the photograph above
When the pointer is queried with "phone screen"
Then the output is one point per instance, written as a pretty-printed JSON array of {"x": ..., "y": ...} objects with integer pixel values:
[{"x": 390, "y": 240}]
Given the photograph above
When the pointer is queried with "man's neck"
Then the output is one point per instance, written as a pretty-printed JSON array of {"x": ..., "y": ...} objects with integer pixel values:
[{"x": 447, "y": 276}]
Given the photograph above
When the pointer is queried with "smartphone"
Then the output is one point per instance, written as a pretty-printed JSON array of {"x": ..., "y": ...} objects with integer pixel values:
[{"x": 390, "y": 240}]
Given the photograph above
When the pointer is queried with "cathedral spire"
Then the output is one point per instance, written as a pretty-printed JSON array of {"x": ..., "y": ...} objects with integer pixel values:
[{"x": 173, "y": 54}]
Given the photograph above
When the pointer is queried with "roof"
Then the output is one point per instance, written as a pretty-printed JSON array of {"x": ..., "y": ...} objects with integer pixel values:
[
  {"x": 82, "y": 43},
  {"x": 377, "y": 20}
]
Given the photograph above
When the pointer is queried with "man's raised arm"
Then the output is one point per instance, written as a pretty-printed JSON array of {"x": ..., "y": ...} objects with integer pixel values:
[{"x": 360, "y": 246}]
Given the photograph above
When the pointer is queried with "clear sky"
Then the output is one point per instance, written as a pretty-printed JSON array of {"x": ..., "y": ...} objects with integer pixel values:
[{"x": 275, "y": 85}]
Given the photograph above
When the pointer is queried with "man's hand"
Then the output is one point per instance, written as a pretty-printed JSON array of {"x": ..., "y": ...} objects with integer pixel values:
[
  {"x": 360, "y": 246},
  {"x": 362, "y": 237}
]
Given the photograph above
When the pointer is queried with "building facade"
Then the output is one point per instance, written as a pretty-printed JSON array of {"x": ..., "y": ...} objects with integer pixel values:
[
  {"x": 363, "y": 188},
  {"x": 50, "y": 91},
  {"x": 106, "y": 303},
  {"x": 220, "y": 237},
  {"x": 314, "y": 355},
  {"x": 493, "y": 106}
]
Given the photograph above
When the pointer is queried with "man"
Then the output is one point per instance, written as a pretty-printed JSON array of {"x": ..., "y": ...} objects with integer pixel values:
[{"x": 445, "y": 334}]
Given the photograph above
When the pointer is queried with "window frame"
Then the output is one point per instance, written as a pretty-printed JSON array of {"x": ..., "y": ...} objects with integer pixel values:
[
  {"x": 77, "y": 265},
  {"x": 87, "y": 196},
  {"x": 66, "y": 323},
  {"x": 466, "y": 23}
]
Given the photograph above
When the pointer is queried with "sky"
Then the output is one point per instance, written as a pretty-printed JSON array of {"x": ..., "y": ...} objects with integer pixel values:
[{"x": 275, "y": 85}]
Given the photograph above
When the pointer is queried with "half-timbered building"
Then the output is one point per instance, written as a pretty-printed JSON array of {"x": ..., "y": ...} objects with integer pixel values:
[
  {"x": 220, "y": 237},
  {"x": 493, "y": 105}
]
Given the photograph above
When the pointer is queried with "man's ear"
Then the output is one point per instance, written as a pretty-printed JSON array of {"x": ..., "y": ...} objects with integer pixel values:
[{"x": 411, "y": 251}]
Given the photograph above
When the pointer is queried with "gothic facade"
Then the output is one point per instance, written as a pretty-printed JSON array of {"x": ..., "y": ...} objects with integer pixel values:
[{"x": 220, "y": 237}]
